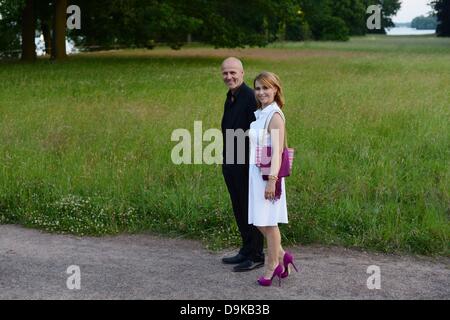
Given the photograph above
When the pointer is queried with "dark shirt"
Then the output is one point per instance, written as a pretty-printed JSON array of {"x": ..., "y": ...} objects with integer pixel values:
[{"x": 238, "y": 113}]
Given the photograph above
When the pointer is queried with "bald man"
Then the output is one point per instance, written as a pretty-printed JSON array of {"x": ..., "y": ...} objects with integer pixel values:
[{"x": 239, "y": 109}]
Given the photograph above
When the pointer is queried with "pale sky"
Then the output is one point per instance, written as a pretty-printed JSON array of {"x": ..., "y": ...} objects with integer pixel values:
[{"x": 411, "y": 9}]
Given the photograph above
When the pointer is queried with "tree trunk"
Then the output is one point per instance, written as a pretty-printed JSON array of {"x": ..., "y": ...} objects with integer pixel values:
[
  {"x": 47, "y": 37},
  {"x": 59, "y": 30},
  {"x": 28, "y": 30}
]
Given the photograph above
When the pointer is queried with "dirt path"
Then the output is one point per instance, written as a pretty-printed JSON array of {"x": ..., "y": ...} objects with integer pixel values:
[{"x": 33, "y": 265}]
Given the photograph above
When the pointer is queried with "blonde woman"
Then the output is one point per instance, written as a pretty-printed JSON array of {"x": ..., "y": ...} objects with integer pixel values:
[{"x": 267, "y": 198}]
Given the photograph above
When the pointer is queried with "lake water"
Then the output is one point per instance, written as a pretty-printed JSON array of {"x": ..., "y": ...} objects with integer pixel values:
[{"x": 403, "y": 31}]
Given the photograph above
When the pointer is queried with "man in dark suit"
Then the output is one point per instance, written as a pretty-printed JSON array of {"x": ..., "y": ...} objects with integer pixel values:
[{"x": 238, "y": 113}]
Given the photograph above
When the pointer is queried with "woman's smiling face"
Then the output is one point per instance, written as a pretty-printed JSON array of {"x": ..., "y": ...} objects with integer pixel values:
[{"x": 264, "y": 94}]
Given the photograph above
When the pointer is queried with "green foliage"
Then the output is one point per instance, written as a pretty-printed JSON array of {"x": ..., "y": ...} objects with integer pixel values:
[
  {"x": 10, "y": 16},
  {"x": 233, "y": 23},
  {"x": 442, "y": 8},
  {"x": 334, "y": 20},
  {"x": 9, "y": 41},
  {"x": 352, "y": 12},
  {"x": 11, "y": 8},
  {"x": 298, "y": 30},
  {"x": 330, "y": 28},
  {"x": 296, "y": 26},
  {"x": 131, "y": 23},
  {"x": 139, "y": 22}
]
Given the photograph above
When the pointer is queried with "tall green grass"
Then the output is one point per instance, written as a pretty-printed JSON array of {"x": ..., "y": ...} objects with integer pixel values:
[{"x": 85, "y": 146}]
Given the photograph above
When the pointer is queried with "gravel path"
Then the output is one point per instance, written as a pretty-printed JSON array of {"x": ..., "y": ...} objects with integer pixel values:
[{"x": 33, "y": 265}]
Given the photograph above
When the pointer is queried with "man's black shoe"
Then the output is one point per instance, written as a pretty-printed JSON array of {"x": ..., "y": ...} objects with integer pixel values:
[
  {"x": 239, "y": 258},
  {"x": 248, "y": 265}
]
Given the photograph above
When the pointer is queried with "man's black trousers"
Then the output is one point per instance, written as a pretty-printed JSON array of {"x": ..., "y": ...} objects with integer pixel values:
[{"x": 236, "y": 179}]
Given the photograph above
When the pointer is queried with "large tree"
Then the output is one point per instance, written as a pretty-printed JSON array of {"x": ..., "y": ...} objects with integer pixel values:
[{"x": 442, "y": 8}]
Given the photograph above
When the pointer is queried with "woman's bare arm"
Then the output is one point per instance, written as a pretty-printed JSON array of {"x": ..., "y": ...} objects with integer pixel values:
[{"x": 277, "y": 131}]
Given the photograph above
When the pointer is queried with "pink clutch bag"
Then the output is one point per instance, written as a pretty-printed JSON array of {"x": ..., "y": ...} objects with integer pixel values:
[{"x": 264, "y": 157}]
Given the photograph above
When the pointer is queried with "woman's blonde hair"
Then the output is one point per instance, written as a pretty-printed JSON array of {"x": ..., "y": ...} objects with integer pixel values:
[{"x": 271, "y": 80}]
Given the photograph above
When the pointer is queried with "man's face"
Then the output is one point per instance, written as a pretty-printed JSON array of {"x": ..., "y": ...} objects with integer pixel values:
[{"x": 233, "y": 75}]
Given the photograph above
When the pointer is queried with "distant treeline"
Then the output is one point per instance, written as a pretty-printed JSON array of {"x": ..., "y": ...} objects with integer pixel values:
[{"x": 424, "y": 23}]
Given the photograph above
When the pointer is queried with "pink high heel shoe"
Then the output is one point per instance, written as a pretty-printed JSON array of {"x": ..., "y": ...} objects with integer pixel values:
[
  {"x": 287, "y": 259},
  {"x": 268, "y": 282}
]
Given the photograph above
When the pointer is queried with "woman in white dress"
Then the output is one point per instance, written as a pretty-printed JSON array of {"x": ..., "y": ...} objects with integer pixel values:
[{"x": 266, "y": 208}]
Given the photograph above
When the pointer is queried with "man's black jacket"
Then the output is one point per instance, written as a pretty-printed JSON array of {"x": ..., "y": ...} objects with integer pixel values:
[{"x": 238, "y": 113}]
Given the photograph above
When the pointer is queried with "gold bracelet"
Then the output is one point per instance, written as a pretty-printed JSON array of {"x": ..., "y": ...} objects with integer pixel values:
[{"x": 271, "y": 177}]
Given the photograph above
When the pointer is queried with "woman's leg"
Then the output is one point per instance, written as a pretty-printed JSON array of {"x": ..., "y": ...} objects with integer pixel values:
[
  {"x": 273, "y": 249},
  {"x": 262, "y": 230},
  {"x": 281, "y": 251},
  {"x": 281, "y": 255}
]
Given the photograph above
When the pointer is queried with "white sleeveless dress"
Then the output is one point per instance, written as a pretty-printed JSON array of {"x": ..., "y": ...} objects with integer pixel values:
[{"x": 262, "y": 212}]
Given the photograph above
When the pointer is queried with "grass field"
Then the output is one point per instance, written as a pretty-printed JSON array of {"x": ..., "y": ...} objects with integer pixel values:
[{"x": 85, "y": 144}]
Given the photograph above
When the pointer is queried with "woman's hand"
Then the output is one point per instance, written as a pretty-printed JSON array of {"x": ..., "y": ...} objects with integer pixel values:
[{"x": 269, "y": 193}]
